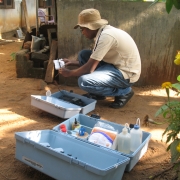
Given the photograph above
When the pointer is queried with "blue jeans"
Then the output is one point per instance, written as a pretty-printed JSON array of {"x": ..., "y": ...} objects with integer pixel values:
[{"x": 106, "y": 80}]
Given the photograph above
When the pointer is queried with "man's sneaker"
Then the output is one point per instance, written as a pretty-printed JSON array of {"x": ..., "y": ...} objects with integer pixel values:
[
  {"x": 94, "y": 96},
  {"x": 120, "y": 101}
]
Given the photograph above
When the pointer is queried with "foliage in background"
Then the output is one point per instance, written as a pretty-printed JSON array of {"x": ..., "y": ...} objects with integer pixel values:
[
  {"x": 171, "y": 114},
  {"x": 169, "y": 4},
  {"x": 13, "y": 56}
]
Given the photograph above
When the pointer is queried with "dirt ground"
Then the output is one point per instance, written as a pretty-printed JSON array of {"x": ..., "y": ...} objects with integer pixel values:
[{"x": 17, "y": 114}]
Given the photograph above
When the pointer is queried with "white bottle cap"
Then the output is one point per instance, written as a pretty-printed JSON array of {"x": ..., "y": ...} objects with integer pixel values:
[
  {"x": 48, "y": 93},
  {"x": 124, "y": 130}
]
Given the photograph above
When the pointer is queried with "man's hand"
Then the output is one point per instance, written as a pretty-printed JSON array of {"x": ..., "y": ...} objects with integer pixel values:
[
  {"x": 87, "y": 68},
  {"x": 70, "y": 62},
  {"x": 65, "y": 72},
  {"x": 67, "y": 61}
]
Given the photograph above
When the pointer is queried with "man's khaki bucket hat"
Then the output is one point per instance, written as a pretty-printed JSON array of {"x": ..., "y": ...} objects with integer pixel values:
[{"x": 91, "y": 19}]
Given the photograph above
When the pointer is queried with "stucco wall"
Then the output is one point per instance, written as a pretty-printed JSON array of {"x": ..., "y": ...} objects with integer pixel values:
[
  {"x": 155, "y": 32},
  {"x": 11, "y": 19}
]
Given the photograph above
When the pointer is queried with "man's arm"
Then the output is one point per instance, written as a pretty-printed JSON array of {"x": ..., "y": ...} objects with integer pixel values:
[{"x": 87, "y": 68}]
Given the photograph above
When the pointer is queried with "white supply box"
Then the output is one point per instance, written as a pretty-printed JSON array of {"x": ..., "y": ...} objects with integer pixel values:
[{"x": 63, "y": 104}]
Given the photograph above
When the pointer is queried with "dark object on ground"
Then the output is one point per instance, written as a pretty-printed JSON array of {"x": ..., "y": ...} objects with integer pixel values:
[
  {"x": 95, "y": 116},
  {"x": 94, "y": 96},
  {"x": 120, "y": 101},
  {"x": 73, "y": 100},
  {"x": 147, "y": 121}
]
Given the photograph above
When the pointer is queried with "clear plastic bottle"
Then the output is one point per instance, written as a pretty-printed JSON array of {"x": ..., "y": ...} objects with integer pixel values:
[
  {"x": 75, "y": 124},
  {"x": 48, "y": 93},
  {"x": 48, "y": 96},
  {"x": 124, "y": 140},
  {"x": 114, "y": 145},
  {"x": 136, "y": 136}
]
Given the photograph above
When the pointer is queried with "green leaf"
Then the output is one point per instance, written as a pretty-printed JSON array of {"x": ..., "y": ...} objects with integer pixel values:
[
  {"x": 168, "y": 148},
  {"x": 13, "y": 55},
  {"x": 168, "y": 139},
  {"x": 165, "y": 131},
  {"x": 161, "y": 110},
  {"x": 166, "y": 114},
  {"x": 169, "y": 5},
  {"x": 176, "y": 4},
  {"x": 178, "y": 78},
  {"x": 173, "y": 104},
  {"x": 174, "y": 153},
  {"x": 176, "y": 86}
]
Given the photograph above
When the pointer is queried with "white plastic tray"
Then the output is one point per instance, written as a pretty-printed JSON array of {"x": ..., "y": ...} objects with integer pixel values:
[{"x": 54, "y": 105}]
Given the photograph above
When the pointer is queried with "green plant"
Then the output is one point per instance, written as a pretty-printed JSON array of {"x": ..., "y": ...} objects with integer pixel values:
[
  {"x": 169, "y": 4},
  {"x": 171, "y": 114},
  {"x": 13, "y": 56}
]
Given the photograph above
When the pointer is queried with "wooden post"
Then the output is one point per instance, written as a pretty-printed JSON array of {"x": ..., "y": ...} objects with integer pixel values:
[
  {"x": 37, "y": 20},
  {"x": 50, "y": 31},
  {"x": 26, "y": 16},
  {"x": 50, "y": 68}
]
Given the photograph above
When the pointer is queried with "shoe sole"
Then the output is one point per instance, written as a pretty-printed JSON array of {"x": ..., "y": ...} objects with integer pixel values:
[{"x": 124, "y": 101}]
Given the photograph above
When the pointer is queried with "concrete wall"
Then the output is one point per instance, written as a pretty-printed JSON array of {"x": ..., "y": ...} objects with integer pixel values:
[
  {"x": 155, "y": 32},
  {"x": 11, "y": 19}
]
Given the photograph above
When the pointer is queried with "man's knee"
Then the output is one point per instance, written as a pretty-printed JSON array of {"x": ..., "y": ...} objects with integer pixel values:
[
  {"x": 80, "y": 81},
  {"x": 83, "y": 81}
]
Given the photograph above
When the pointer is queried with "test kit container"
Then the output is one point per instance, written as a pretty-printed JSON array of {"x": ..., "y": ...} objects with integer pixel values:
[
  {"x": 56, "y": 105},
  {"x": 64, "y": 157},
  {"x": 88, "y": 123}
]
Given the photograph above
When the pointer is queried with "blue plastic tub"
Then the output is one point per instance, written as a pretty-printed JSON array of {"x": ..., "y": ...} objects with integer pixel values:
[
  {"x": 89, "y": 122},
  {"x": 65, "y": 157}
]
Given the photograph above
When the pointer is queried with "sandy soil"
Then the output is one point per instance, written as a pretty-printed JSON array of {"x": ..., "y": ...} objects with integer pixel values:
[{"x": 17, "y": 114}]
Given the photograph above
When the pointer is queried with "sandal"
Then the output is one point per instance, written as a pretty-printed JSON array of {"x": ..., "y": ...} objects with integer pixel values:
[{"x": 120, "y": 101}]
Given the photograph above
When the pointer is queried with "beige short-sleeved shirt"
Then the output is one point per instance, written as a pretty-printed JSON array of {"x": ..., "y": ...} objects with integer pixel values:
[{"x": 117, "y": 47}]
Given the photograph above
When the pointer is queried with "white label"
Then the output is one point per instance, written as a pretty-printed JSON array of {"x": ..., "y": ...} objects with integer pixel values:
[
  {"x": 58, "y": 64},
  {"x": 31, "y": 162}
]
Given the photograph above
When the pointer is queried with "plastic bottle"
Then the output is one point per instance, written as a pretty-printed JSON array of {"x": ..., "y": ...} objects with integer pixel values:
[
  {"x": 136, "y": 136},
  {"x": 48, "y": 96},
  {"x": 114, "y": 145},
  {"x": 63, "y": 128},
  {"x": 75, "y": 125},
  {"x": 48, "y": 93},
  {"x": 124, "y": 140}
]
